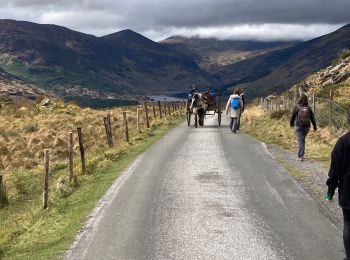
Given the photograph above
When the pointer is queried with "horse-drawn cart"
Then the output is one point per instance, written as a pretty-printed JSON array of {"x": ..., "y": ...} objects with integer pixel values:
[{"x": 201, "y": 104}]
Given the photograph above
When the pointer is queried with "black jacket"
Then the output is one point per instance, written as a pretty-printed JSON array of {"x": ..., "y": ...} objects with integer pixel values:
[
  {"x": 294, "y": 117},
  {"x": 339, "y": 172}
]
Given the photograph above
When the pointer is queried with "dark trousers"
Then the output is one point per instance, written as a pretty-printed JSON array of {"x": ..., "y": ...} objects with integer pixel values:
[
  {"x": 346, "y": 232},
  {"x": 234, "y": 124},
  {"x": 301, "y": 133},
  {"x": 239, "y": 122}
]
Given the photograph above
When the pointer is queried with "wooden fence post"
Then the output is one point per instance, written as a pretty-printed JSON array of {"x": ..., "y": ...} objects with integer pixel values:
[
  {"x": 46, "y": 179},
  {"x": 108, "y": 134},
  {"x": 3, "y": 196},
  {"x": 173, "y": 106},
  {"x": 169, "y": 111},
  {"x": 147, "y": 119},
  {"x": 165, "y": 113},
  {"x": 138, "y": 120},
  {"x": 82, "y": 151},
  {"x": 330, "y": 109},
  {"x": 126, "y": 127},
  {"x": 314, "y": 104},
  {"x": 154, "y": 111},
  {"x": 70, "y": 157},
  {"x": 160, "y": 110},
  {"x": 110, "y": 127}
]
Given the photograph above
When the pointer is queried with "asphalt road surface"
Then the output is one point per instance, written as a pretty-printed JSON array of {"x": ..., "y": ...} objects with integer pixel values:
[{"x": 207, "y": 193}]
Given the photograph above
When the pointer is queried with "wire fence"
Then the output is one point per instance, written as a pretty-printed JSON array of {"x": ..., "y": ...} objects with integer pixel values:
[
  {"x": 327, "y": 112},
  {"x": 103, "y": 130}
]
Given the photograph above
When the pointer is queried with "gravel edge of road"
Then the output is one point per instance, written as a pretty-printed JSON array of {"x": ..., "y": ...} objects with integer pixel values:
[{"x": 312, "y": 177}]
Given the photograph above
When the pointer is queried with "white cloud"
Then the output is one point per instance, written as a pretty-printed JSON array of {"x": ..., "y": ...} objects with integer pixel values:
[
  {"x": 263, "y": 32},
  {"x": 157, "y": 19}
]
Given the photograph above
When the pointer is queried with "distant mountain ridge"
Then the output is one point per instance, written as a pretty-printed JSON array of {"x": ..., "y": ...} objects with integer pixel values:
[
  {"x": 124, "y": 63},
  {"x": 263, "y": 68},
  {"x": 212, "y": 53},
  {"x": 276, "y": 71}
]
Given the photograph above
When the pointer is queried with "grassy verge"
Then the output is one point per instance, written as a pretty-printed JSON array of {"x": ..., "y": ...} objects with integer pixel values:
[
  {"x": 28, "y": 232},
  {"x": 274, "y": 129}
]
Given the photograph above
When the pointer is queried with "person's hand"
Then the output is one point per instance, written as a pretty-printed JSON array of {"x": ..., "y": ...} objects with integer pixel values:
[{"x": 329, "y": 196}]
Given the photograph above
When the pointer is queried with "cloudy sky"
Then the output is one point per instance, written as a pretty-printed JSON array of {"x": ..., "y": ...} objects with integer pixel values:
[{"x": 158, "y": 19}]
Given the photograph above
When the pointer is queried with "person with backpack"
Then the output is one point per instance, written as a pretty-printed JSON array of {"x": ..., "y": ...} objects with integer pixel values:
[
  {"x": 339, "y": 177},
  {"x": 234, "y": 107},
  {"x": 301, "y": 119}
]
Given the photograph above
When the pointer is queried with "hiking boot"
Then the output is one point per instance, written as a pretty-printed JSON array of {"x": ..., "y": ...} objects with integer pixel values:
[{"x": 300, "y": 159}]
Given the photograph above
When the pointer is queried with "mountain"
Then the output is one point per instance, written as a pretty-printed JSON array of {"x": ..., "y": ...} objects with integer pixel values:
[
  {"x": 126, "y": 64},
  {"x": 210, "y": 54},
  {"x": 263, "y": 67},
  {"x": 278, "y": 70},
  {"x": 121, "y": 64}
]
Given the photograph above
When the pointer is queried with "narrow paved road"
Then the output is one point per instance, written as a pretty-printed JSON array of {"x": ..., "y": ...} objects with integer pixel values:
[{"x": 207, "y": 193}]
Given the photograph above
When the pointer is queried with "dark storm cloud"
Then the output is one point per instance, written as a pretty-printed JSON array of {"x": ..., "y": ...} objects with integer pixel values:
[
  {"x": 157, "y": 17},
  {"x": 258, "y": 11}
]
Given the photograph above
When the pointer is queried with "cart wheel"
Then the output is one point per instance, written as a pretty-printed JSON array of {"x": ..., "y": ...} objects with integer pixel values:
[
  {"x": 219, "y": 118},
  {"x": 219, "y": 111},
  {"x": 188, "y": 115}
]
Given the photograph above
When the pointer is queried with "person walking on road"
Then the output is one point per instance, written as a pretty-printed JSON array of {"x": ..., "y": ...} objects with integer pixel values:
[
  {"x": 301, "y": 119},
  {"x": 234, "y": 107},
  {"x": 241, "y": 93},
  {"x": 339, "y": 177}
]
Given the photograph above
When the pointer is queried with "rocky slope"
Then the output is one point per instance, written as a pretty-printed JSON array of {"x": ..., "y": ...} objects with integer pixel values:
[
  {"x": 16, "y": 89},
  {"x": 335, "y": 78}
]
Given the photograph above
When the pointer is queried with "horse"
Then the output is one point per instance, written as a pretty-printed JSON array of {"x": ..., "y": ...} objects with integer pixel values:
[{"x": 198, "y": 107}]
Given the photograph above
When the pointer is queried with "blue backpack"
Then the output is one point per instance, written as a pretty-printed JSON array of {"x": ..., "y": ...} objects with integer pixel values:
[{"x": 235, "y": 103}]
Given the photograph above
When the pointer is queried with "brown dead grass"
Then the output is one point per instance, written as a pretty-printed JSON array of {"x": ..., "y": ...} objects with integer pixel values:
[
  {"x": 258, "y": 123},
  {"x": 26, "y": 130}
]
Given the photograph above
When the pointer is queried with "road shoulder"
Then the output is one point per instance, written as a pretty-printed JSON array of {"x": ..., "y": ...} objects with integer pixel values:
[{"x": 312, "y": 177}]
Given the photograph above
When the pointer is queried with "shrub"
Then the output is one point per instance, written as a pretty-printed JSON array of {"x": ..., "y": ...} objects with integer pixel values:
[
  {"x": 279, "y": 114},
  {"x": 30, "y": 128},
  {"x": 343, "y": 55}
]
